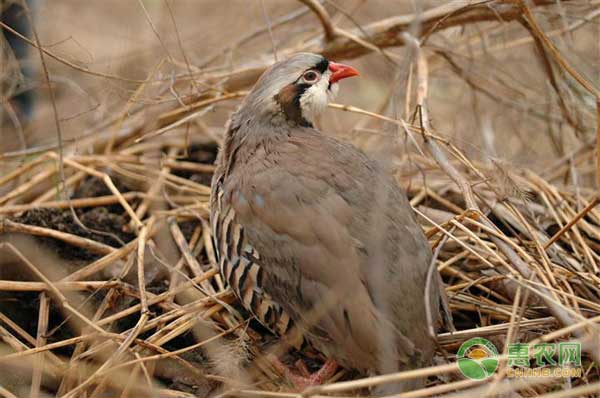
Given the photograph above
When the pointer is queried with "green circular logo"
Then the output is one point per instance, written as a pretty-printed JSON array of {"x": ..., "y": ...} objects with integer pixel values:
[{"x": 477, "y": 358}]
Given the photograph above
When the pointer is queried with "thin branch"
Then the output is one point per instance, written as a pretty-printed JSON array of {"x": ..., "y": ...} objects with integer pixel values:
[
  {"x": 155, "y": 30},
  {"x": 269, "y": 24},
  {"x": 324, "y": 18},
  {"x": 556, "y": 55},
  {"x": 578, "y": 217},
  {"x": 387, "y": 33}
]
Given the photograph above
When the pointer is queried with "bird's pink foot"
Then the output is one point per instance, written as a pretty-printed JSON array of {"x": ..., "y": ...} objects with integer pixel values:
[{"x": 306, "y": 379}]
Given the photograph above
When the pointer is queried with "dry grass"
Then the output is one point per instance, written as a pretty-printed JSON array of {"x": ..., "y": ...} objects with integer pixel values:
[{"x": 124, "y": 299}]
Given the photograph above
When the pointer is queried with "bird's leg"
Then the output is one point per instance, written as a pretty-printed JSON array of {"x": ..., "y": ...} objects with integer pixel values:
[
  {"x": 302, "y": 368},
  {"x": 306, "y": 379}
]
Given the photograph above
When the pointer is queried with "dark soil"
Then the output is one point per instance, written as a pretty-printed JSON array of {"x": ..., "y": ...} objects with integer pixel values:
[
  {"x": 187, "y": 228},
  {"x": 109, "y": 225},
  {"x": 93, "y": 187},
  {"x": 103, "y": 226},
  {"x": 202, "y": 153},
  {"x": 22, "y": 308}
]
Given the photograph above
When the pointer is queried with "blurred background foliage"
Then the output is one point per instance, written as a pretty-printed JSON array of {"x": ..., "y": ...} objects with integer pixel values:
[{"x": 492, "y": 92}]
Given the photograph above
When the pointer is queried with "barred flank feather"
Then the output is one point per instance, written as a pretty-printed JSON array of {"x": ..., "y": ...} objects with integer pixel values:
[{"x": 238, "y": 266}]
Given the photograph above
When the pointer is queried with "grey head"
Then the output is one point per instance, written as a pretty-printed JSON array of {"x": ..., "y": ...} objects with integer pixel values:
[{"x": 295, "y": 90}]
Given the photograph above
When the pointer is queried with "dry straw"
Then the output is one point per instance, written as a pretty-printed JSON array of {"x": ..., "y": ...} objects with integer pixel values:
[{"x": 519, "y": 251}]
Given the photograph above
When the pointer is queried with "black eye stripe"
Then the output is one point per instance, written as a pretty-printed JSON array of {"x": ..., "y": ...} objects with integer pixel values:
[{"x": 322, "y": 66}]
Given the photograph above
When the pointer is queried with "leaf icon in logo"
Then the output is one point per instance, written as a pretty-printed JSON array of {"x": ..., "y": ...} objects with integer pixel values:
[
  {"x": 490, "y": 365},
  {"x": 477, "y": 358},
  {"x": 472, "y": 369}
]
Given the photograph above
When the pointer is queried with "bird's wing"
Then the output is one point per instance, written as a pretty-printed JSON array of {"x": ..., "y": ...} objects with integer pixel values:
[
  {"x": 239, "y": 264},
  {"x": 297, "y": 209}
]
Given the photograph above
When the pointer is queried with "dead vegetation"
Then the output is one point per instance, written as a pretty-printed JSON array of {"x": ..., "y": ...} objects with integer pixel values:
[{"x": 109, "y": 285}]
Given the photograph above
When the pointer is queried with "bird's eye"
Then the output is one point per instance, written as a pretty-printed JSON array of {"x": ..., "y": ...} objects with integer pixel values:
[{"x": 310, "y": 76}]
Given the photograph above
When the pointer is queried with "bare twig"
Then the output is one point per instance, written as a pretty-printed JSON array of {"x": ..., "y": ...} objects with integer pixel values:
[
  {"x": 578, "y": 217},
  {"x": 324, "y": 18}
]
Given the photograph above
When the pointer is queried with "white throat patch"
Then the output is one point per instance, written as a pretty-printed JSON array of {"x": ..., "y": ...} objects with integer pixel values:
[{"x": 315, "y": 99}]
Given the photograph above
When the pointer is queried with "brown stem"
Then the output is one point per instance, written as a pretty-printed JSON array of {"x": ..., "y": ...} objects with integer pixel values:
[{"x": 323, "y": 16}]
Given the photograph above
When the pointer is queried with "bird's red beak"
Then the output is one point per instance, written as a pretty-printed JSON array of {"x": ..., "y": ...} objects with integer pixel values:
[{"x": 340, "y": 71}]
